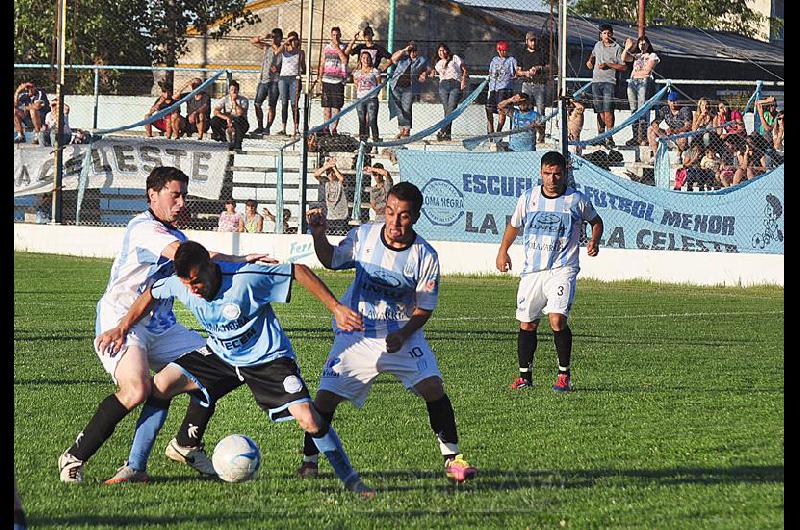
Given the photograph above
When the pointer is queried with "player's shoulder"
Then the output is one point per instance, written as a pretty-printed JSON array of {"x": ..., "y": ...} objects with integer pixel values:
[
  {"x": 424, "y": 247},
  {"x": 578, "y": 194},
  {"x": 255, "y": 269}
]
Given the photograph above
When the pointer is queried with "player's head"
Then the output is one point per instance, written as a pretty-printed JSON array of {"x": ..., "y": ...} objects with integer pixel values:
[
  {"x": 195, "y": 269},
  {"x": 554, "y": 172},
  {"x": 403, "y": 206},
  {"x": 166, "y": 192}
]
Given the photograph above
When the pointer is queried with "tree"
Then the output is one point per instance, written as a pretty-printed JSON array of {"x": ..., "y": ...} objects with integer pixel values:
[{"x": 724, "y": 15}]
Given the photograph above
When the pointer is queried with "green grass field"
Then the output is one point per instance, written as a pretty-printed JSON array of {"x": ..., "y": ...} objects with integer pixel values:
[{"x": 677, "y": 420}]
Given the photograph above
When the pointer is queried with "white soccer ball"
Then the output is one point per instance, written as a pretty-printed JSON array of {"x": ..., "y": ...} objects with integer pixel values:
[{"x": 236, "y": 458}]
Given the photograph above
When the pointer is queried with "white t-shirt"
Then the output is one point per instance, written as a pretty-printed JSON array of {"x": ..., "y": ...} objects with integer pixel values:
[
  {"x": 452, "y": 71},
  {"x": 51, "y": 120},
  {"x": 226, "y": 106}
]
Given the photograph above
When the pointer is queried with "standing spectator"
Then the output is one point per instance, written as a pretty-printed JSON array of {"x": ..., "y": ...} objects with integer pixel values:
[
  {"x": 198, "y": 111},
  {"x": 766, "y": 110},
  {"x": 502, "y": 69},
  {"x": 604, "y": 62},
  {"x": 535, "y": 70},
  {"x": 640, "y": 84},
  {"x": 777, "y": 132},
  {"x": 252, "y": 222},
  {"x": 48, "y": 134},
  {"x": 379, "y": 191},
  {"x": 702, "y": 119},
  {"x": 267, "y": 89},
  {"x": 411, "y": 70},
  {"x": 376, "y": 52},
  {"x": 30, "y": 108},
  {"x": 522, "y": 115},
  {"x": 366, "y": 77},
  {"x": 678, "y": 118},
  {"x": 164, "y": 100},
  {"x": 230, "y": 219},
  {"x": 453, "y": 77},
  {"x": 335, "y": 196},
  {"x": 287, "y": 215},
  {"x": 230, "y": 118},
  {"x": 732, "y": 117},
  {"x": 293, "y": 65},
  {"x": 333, "y": 72}
]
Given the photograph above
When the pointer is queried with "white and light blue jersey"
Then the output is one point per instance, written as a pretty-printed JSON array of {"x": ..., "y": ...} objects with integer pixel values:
[
  {"x": 242, "y": 327},
  {"x": 526, "y": 140},
  {"x": 551, "y": 228},
  {"x": 389, "y": 283},
  {"x": 137, "y": 265}
]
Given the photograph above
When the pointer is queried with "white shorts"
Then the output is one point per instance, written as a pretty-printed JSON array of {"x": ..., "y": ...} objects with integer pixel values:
[
  {"x": 545, "y": 292},
  {"x": 355, "y": 361}
]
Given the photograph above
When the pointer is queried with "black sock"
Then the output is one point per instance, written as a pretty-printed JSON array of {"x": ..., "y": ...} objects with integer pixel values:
[
  {"x": 19, "y": 518},
  {"x": 563, "y": 340},
  {"x": 194, "y": 423},
  {"x": 109, "y": 413},
  {"x": 443, "y": 421},
  {"x": 309, "y": 447},
  {"x": 526, "y": 352}
]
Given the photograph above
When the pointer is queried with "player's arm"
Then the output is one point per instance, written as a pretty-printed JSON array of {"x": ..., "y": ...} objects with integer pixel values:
[
  {"x": 395, "y": 340},
  {"x": 346, "y": 318},
  {"x": 322, "y": 247},
  {"x": 593, "y": 247},
  {"x": 169, "y": 253},
  {"x": 503, "y": 260},
  {"x": 111, "y": 341}
]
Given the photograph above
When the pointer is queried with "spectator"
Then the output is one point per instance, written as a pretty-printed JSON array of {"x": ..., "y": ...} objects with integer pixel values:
[
  {"x": 702, "y": 119},
  {"x": 732, "y": 117},
  {"x": 287, "y": 215},
  {"x": 678, "y": 119},
  {"x": 366, "y": 77},
  {"x": 49, "y": 133},
  {"x": 251, "y": 223},
  {"x": 654, "y": 132},
  {"x": 267, "y": 89},
  {"x": 604, "y": 62},
  {"x": 411, "y": 70},
  {"x": 502, "y": 69},
  {"x": 535, "y": 70},
  {"x": 710, "y": 166},
  {"x": 728, "y": 161},
  {"x": 453, "y": 77},
  {"x": 777, "y": 133},
  {"x": 332, "y": 180},
  {"x": 43, "y": 204},
  {"x": 293, "y": 65},
  {"x": 379, "y": 191},
  {"x": 640, "y": 84},
  {"x": 766, "y": 110},
  {"x": 163, "y": 124},
  {"x": 230, "y": 118},
  {"x": 229, "y": 219},
  {"x": 750, "y": 161},
  {"x": 30, "y": 108},
  {"x": 376, "y": 52},
  {"x": 333, "y": 72},
  {"x": 522, "y": 115},
  {"x": 198, "y": 111}
]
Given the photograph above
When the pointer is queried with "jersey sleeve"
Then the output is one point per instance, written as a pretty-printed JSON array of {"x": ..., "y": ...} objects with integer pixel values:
[
  {"x": 345, "y": 252},
  {"x": 151, "y": 238},
  {"x": 587, "y": 211},
  {"x": 427, "y": 293},
  {"x": 273, "y": 282},
  {"x": 169, "y": 287},
  {"x": 518, "y": 217}
]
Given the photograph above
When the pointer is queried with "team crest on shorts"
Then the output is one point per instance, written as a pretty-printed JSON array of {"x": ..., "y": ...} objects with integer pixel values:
[
  {"x": 292, "y": 384},
  {"x": 231, "y": 311}
]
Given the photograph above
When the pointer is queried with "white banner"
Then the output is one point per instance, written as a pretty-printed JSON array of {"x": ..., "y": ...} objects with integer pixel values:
[{"x": 122, "y": 162}]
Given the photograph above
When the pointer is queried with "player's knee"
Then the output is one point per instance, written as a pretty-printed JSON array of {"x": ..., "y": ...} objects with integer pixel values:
[
  {"x": 431, "y": 389},
  {"x": 529, "y": 326},
  {"x": 557, "y": 321},
  {"x": 134, "y": 393}
]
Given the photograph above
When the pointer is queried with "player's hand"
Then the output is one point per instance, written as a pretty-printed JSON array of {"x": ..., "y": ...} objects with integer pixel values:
[
  {"x": 316, "y": 219},
  {"x": 347, "y": 319},
  {"x": 503, "y": 262},
  {"x": 263, "y": 259},
  {"x": 110, "y": 342},
  {"x": 592, "y": 248},
  {"x": 394, "y": 341}
]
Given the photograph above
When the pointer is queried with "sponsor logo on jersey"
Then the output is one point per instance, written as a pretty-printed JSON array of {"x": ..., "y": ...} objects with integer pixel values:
[
  {"x": 231, "y": 311},
  {"x": 328, "y": 371}
]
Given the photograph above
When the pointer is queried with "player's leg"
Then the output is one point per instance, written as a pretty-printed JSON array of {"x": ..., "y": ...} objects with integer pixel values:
[
  {"x": 325, "y": 404},
  {"x": 560, "y": 289},
  {"x": 530, "y": 302}
]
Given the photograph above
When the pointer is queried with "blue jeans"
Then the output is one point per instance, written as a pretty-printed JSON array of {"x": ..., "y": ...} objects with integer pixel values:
[
  {"x": 450, "y": 95},
  {"x": 268, "y": 90},
  {"x": 405, "y": 99},
  {"x": 637, "y": 95},
  {"x": 368, "y": 118},
  {"x": 289, "y": 90}
]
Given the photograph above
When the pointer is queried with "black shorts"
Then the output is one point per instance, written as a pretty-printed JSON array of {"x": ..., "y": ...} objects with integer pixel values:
[
  {"x": 495, "y": 97},
  {"x": 333, "y": 95},
  {"x": 275, "y": 385}
]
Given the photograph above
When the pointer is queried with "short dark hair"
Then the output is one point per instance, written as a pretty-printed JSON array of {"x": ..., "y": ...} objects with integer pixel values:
[
  {"x": 406, "y": 191},
  {"x": 189, "y": 254},
  {"x": 233, "y": 83},
  {"x": 277, "y": 33},
  {"x": 523, "y": 95},
  {"x": 251, "y": 203},
  {"x": 368, "y": 31},
  {"x": 554, "y": 158},
  {"x": 336, "y": 28},
  {"x": 160, "y": 175},
  {"x": 378, "y": 165},
  {"x": 606, "y": 27}
]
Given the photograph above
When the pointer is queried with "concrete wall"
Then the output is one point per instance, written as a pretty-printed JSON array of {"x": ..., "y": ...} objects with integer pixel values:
[{"x": 609, "y": 265}]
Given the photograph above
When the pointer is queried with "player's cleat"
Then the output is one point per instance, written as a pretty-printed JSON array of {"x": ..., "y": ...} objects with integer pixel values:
[
  {"x": 194, "y": 457},
  {"x": 459, "y": 470},
  {"x": 70, "y": 468},
  {"x": 308, "y": 470},
  {"x": 358, "y": 487},
  {"x": 563, "y": 383},
  {"x": 128, "y": 474},
  {"x": 521, "y": 382}
]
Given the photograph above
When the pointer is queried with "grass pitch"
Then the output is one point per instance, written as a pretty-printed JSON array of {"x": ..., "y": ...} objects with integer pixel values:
[{"x": 677, "y": 419}]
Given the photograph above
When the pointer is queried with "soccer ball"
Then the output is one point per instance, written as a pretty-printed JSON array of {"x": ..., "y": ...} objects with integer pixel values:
[{"x": 236, "y": 458}]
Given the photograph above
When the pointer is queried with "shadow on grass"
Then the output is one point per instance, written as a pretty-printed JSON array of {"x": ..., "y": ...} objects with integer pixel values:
[
  {"x": 229, "y": 520},
  {"x": 60, "y": 382}
]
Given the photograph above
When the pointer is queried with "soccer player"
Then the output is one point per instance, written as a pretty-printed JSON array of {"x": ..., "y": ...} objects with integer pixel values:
[
  {"x": 148, "y": 246},
  {"x": 396, "y": 289},
  {"x": 551, "y": 218},
  {"x": 246, "y": 344}
]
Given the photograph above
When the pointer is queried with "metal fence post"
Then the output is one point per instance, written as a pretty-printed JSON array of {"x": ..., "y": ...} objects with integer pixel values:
[{"x": 96, "y": 96}]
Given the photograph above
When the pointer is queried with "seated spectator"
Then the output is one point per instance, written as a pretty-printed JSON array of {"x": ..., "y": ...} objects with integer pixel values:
[
  {"x": 379, "y": 191},
  {"x": 163, "y": 124},
  {"x": 654, "y": 132},
  {"x": 677, "y": 117},
  {"x": 710, "y": 165},
  {"x": 702, "y": 119},
  {"x": 30, "y": 108},
  {"x": 230, "y": 219},
  {"x": 332, "y": 180},
  {"x": 766, "y": 109},
  {"x": 251, "y": 222},
  {"x": 198, "y": 111},
  {"x": 575, "y": 109},
  {"x": 230, "y": 118},
  {"x": 728, "y": 161},
  {"x": 732, "y": 117},
  {"x": 287, "y": 215},
  {"x": 690, "y": 162},
  {"x": 48, "y": 134},
  {"x": 750, "y": 161}
]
